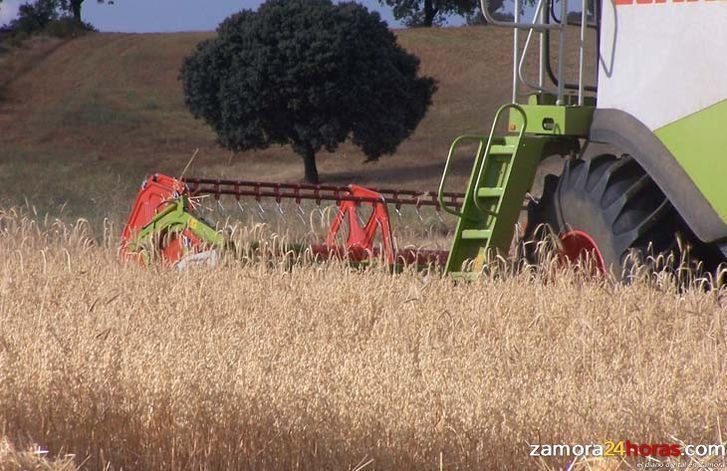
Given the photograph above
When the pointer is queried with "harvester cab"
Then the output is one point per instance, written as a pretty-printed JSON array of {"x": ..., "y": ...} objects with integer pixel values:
[{"x": 636, "y": 120}]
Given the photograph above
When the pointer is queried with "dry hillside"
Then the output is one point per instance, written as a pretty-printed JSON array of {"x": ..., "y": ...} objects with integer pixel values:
[{"x": 83, "y": 121}]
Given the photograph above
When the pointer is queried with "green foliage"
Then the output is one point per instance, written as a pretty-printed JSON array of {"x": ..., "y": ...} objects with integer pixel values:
[
  {"x": 67, "y": 27},
  {"x": 33, "y": 17},
  {"x": 310, "y": 74},
  {"x": 44, "y": 16},
  {"x": 476, "y": 18},
  {"x": 429, "y": 13},
  {"x": 73, "y": 7},
  {"x": 17, "y": 39}
]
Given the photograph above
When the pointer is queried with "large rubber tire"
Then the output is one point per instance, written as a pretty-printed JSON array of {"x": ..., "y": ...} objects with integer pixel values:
[{"x": 619, "y": 206}]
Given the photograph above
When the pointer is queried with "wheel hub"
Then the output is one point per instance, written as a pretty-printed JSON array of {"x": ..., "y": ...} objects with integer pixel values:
[{"x": 579, "y": 246}]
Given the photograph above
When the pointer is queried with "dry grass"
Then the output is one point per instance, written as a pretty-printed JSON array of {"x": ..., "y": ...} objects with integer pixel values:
[
  {"x": 259, "y": 366},
  {"x": 32, "y": 459}
]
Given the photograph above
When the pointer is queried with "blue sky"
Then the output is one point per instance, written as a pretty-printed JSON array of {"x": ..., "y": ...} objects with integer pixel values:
[{"x": 165, "y": 15}]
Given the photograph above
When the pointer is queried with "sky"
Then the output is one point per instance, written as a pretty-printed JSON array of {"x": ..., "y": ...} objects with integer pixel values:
[{"x": 141, "y": 16}]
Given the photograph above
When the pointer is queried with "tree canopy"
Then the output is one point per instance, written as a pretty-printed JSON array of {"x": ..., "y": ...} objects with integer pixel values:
[
  {"x": 51, "y": 17},
  {"x": 37, "y": 14},
  {"x": 73, "y": 7},
  {"x": 310, "y": 74},
  {"x": 429, "y": 13}
]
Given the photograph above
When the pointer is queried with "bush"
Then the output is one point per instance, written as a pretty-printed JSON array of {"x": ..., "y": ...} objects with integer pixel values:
[
  {"x": 67, "y": 27},
  {"x": 42, "y": 17},
  {"x": 34, "y": 17},
  {"x": 18, "y": 39}
]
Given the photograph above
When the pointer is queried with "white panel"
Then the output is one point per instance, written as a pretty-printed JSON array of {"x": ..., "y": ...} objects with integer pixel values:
[{"x": 663, "y": 61}]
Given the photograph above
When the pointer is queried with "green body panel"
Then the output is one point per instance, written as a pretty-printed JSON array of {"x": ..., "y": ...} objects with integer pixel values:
[
  {"x": 699, "y": 144},
  {"x": 546, "y": 118},
  {"x": 554, "y": 120},
  {"x": 175, "y": 218}
]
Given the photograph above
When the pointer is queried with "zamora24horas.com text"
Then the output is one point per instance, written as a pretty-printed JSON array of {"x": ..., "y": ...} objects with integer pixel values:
[{"x": 628, "y": 448}]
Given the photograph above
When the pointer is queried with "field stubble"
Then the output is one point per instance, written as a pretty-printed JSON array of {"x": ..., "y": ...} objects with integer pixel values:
[{"x": 257, "y": 365}]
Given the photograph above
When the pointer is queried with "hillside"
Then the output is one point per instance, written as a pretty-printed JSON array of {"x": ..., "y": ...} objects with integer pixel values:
[{"x": 84, "y": 121}]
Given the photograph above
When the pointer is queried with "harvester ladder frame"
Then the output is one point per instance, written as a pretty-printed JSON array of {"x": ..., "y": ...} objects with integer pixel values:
[{"x": 503, "y": 171}]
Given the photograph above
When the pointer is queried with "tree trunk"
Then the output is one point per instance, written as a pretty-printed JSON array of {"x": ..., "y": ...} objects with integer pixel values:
[
  {"x": 311, "y": 170},
  {"x": 76, "y": 9},
  {"x": 430, "y": 11}
]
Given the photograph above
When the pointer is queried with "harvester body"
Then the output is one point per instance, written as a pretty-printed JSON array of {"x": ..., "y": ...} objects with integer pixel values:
[
  {"x": 661, "y": 87},
  {"x": 656, "y": 99}
]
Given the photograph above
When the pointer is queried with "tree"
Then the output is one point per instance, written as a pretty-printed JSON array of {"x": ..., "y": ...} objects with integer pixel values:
[
  {"x": 73, "y": 7},
  {"x": 45, "y": 16},
  {"x": 476, "y": 18},
  {"x": 430, "y": 13},
  {"x": 309, "y": 74},
  {"x": 427, "y": 12},
  {"x": 35, "y": 16}
]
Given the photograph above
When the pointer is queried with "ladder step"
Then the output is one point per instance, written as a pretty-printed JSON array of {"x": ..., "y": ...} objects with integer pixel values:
[
  {"x": 493, "y": 192},
  {"x": 502, "y": 150},
  {"x": 476, "y": 234}
]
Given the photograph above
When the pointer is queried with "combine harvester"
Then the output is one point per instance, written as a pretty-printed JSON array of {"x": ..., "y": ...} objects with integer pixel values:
[{"x": 640, "y": 137}]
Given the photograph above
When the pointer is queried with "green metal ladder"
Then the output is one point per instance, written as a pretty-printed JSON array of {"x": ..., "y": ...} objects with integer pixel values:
[{"x": 503, "y": 171}]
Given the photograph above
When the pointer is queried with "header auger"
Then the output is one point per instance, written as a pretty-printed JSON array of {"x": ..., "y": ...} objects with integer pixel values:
[{"x": 640, "y": 137}]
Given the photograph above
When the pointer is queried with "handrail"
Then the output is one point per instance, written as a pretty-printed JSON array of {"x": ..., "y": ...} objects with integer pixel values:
[
  {"x": 485, "y": 6},
  {"x": 441, "y": 193},
  {"x": 538, "y": 10},
  {"x": 551, "y": 74},
  {"x": 541, "y": 24},
  {"x": 561, "y": 51},
  {"x": 476, "y": 187}
]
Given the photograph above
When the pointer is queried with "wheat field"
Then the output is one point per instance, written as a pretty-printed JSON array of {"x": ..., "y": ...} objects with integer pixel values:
[{"x": 263, "y": 365}]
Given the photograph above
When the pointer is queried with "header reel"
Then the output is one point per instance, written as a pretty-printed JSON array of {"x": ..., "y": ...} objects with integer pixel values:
[{"x": 169, "y": 219}]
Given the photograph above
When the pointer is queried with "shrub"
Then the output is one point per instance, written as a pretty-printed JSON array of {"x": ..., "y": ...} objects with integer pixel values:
[
  {"x": 34, "y": 17},
  {"x": 42, "y": 17},
  {"x": 18, "y": 39},
  {"x": 67, "y": 27}
]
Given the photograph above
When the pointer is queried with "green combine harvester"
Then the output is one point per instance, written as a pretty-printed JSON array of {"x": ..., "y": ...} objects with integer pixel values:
[
  {"x": 640, "y": 139},
  {"x": 641, "y": 144}
]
